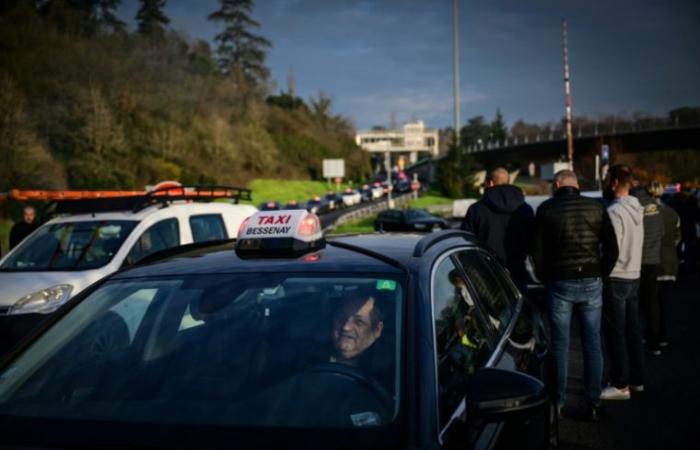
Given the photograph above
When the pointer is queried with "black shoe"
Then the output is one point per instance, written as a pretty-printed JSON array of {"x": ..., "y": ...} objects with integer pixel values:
[{"x": 595, "y": 413}]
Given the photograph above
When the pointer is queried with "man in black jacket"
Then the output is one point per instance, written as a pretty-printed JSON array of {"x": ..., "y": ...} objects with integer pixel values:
[
  {"x": 503, "y": 221},
  {"x": 22, "y": 229},
  {"x": 574, "y": 248},
  {"x": 651, "y": 258}
]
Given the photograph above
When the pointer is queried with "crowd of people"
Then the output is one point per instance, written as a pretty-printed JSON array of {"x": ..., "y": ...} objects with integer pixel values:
[{"x": 608, "y": 260}]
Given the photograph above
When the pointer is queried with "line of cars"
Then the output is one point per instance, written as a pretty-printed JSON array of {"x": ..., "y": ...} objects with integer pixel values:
[{"x": 331, "y": 201}]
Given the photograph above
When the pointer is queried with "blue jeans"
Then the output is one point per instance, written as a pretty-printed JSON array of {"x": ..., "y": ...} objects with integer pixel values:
[
  {"x": 623, "y": 335},
  {"x": 585, "y": 296}
]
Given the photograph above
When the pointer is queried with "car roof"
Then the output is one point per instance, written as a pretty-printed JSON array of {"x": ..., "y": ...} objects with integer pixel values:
[
  {"x": 178, "y": 207},
  {"x": 222, "y": 258},
  {"x": 368, "y": 253}
]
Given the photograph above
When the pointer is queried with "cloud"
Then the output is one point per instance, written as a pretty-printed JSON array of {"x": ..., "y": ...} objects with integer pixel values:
[{"x": 433, "y": 106}]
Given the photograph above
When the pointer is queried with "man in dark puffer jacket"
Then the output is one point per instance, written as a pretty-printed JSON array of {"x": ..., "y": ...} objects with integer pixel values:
[
  {"x": 503, "y": 221},
  {"x": 575, "y": 247}
]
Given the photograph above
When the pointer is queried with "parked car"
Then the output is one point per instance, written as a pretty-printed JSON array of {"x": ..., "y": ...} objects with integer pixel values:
[
  {"x": 351, "y": 197},
  {"x": 293, "y": 204},
  {"x": 284, "y": 340},
  {"x": 270, "y": 206},
  {"x": 377, "y": 190},
  {"x": 409, "y": 220},
  {"x": 335, "y": 201},
  {"x": 318, "y": 205}
]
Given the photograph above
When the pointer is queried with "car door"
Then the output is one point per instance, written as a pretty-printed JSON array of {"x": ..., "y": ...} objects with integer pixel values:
[
  {"x": 515, "y": 326},
  {"x": 464, "y": 343}
]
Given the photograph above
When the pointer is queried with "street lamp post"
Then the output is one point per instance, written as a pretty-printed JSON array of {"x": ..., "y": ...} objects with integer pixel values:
[{"x": 455, "y": 66}]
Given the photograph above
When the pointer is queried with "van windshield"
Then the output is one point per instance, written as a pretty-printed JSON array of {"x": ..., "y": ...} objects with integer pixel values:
[{"x": 70, "y": 246}]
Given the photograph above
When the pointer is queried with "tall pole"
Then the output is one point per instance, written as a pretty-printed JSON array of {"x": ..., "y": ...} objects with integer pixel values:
[
  {"x": 567, "y": 96},
  {"x": 455, "y": 64}
]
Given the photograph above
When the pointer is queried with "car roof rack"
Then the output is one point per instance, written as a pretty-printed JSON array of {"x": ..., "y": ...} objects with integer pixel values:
[
  {"x": 433, "y": 238},
  {"x": 85, "y": 202}
]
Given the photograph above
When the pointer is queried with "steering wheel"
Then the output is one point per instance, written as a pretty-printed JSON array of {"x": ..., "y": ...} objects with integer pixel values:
[{"x": 358, "y": 376}]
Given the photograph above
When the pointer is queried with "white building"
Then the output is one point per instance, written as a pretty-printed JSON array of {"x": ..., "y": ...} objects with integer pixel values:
[{"x": 411, "y": 139}]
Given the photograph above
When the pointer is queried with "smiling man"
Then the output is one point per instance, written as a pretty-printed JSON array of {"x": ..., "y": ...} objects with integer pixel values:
[{"x": 357, "y": 324}]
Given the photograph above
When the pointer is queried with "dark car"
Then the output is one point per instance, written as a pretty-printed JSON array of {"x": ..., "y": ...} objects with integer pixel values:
[
  {"x": 270, "y": 206},
  {"x": 283, "y": 340},
  {"x": 335, "y": 200},
  {"x": 293, "y": 204},
  {"x": 318, "y": 205},
  {"x": 408, "y": 220},
  {"x": 401, "y": 186}
]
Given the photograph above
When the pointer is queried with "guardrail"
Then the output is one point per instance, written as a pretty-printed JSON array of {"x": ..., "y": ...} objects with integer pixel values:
[{"x": 370, "y": 210}]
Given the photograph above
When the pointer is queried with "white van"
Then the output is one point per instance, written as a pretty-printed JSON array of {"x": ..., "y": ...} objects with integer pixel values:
[{"x": 69, "y": 253}]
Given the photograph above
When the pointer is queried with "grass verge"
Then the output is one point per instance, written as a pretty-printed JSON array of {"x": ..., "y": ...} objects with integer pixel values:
[
  {"x": 285, "y": 190},
  {"x": 5, "y": 226},
  {"x": 430, "y": 199},
  {"x": 361, "y": 226}
]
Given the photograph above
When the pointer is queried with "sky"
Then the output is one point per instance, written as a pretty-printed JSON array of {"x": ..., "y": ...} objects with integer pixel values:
[{"x": 379, "y": 57}]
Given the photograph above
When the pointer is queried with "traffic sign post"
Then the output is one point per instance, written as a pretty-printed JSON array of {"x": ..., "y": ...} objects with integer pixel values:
[{"x": 334, "y": 169}]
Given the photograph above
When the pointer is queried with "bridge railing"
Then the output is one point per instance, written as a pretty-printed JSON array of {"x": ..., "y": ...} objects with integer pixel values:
[{"x": 583, "y": 131}]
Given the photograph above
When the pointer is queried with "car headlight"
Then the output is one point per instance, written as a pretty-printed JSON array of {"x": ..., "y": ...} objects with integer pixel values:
[{"x": 44, "y": 301}]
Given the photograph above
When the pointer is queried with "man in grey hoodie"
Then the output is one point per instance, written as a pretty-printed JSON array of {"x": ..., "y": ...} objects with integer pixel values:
[{"x": 621, "y": 290}]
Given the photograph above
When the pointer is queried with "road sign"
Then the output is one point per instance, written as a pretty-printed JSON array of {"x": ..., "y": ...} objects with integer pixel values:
[{"x": 333, "y": 168}]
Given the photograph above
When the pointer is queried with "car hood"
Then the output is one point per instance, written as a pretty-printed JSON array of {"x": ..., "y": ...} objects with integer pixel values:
[{"x": 15, "y": 285}]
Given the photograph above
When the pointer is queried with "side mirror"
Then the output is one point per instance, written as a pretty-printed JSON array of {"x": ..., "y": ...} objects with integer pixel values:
[{"x": 494, "y": 395}]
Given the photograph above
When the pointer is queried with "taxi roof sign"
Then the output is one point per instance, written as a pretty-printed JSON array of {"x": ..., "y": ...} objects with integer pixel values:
[{"x": 289, "y": 232}]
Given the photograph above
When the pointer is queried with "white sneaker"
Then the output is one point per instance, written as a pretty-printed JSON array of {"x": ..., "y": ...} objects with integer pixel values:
[
  {"x": 613, "y": 393},
  {"x": 637, "y": 387}
]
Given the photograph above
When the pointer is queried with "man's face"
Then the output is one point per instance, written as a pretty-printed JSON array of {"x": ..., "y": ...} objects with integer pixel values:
[
  {"x": 353, "y": 332},
  {"x": 29, "y": 215}
]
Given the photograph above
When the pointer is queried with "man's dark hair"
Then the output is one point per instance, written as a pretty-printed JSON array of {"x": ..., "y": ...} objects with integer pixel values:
[
  {"x": 622, "y": 174},
  {"x": 376, "y": 315}
]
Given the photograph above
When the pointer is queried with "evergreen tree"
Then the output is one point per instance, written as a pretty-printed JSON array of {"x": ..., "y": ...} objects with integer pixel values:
[
  {"x": 151, "y": 19},
  {"x": 241, "y": 52},
  {"x": 107, "y": 16},
  {"x": 499, "y": 132}
]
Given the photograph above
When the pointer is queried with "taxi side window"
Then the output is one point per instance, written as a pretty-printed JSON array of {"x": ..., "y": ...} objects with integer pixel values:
[
  {"x": 462, "y": 345},
  {"x": 160, "y": 236},
  {"x": 207, "y": 227},
  {"x": 497, "y": 298}
]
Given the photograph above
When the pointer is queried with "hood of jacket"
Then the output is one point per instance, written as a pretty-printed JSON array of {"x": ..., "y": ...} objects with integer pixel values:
[
  {"x": 633, "y": 207},
  {"x": 503, "y": 198}
]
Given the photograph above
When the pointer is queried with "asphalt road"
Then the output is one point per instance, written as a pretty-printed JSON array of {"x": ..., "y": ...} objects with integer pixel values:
[{"x": 667, "y": 414}]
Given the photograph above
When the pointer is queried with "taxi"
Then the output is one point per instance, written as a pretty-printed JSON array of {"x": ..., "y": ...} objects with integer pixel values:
[{"x": 285, "y": 339}]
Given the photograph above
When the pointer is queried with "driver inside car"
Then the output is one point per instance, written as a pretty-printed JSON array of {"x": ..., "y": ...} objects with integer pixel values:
[{"x": 357, "y": 324}]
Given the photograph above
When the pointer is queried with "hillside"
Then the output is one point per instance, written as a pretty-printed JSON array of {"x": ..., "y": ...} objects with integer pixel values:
[{"x": 119, "y": 110}]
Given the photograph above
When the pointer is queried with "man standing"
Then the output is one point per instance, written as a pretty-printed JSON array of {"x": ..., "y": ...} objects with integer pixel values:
[
  {"x": 22, "y": 229},
  {"x": 668, "y": 269},
  {"x": 651, "y": 258},
  {"x": 503, "y": 221},
  {"x": 621, "y": 290},
  {"x": 575, "y": 247}
]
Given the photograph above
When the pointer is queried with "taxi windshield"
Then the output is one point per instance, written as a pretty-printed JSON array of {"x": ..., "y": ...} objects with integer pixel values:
[
  {"x": 70, "y": 246},
  {"x": 268, "y": 350}
]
